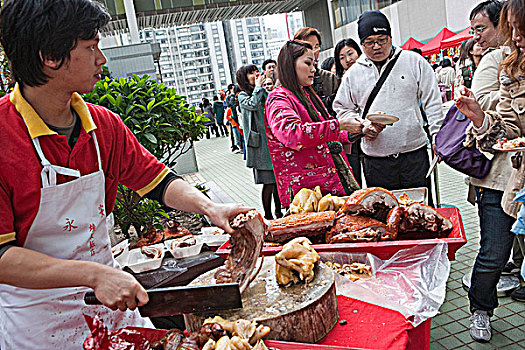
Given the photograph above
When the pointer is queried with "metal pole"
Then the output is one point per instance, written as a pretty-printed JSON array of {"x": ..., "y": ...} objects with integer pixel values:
[{"x": 131, "y": 17}]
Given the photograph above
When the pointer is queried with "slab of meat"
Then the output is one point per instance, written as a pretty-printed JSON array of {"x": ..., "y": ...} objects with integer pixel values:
[
  {"x": 247, "y": 242},
  {"x": 174, "y": 229},
  {"x": 421, "y": 219},
  {"x": 357, "y": 228},
  {"x": 152, "y": 236},
  {"x": 375, "y": 202},
  {"x": 300, "y": 225}
]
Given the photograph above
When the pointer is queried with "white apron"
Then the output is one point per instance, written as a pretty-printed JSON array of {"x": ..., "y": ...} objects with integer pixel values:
[{"x": 70, "y": 224}]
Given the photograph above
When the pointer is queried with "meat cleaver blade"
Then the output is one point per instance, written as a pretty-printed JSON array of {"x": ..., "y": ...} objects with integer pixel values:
[{"x": 186, "y": 299}]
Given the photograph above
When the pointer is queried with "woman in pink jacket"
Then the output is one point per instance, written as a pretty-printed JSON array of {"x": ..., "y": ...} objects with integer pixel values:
[{"x": 305, "y": 142}]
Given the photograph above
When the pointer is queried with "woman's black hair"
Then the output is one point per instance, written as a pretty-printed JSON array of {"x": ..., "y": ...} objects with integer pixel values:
[
  {"x": 205, "y": 102},
  {"x": 31, "y": 30},
  {"x": 242, "y": 77},
  {"x": 446, "y": 62},
  {"x": 464, "y": 51},
  {"x": 328, "y": 63},
  {"x": 339, "y": 70}
]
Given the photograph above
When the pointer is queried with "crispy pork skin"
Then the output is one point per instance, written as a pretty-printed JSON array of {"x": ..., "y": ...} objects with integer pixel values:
[
  {"x": 375, "y": 202},
  {"x": 247, "y": 242},
  {"x": 357, "y": 228},
  {"x": 420, "y": 218},
  {"x": 304, "y": 224}
]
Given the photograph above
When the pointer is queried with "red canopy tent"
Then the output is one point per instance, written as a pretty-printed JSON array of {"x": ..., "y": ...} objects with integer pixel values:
[
  {"x": 456, "y": 39},
  {"x": 434, "y": 45},
  {"x": 411, "y": 43}
]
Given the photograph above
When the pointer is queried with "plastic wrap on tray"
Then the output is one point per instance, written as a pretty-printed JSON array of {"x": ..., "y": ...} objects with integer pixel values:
[{"x": 413, "y": 281}]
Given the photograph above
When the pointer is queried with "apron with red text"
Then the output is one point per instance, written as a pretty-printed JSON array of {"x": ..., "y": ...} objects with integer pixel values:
[{"x": 70, "y": 224}]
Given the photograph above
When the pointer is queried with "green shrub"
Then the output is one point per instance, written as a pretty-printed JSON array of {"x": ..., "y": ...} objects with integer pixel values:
[{"x": 162, "y": 122}]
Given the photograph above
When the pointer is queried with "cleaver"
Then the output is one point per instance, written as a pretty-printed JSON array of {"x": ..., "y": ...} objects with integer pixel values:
[{"x": 185, "y": 299}]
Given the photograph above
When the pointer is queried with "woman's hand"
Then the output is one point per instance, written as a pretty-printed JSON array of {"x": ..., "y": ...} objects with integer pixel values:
[
  {"x": 260, "y": 80},
  {"x": 467, "y": 104},
  {"x": 352, "y": 125},
  {"x": 372, "y": 130}
]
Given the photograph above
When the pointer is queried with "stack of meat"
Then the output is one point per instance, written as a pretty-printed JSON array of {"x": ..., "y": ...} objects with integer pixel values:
[
  {"x": 371, "y": 214},
  {"x": 172, "y": 230}
]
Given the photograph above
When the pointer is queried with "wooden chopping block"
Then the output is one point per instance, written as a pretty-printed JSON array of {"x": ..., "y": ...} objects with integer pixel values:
[{"x": 301, "y": 313}]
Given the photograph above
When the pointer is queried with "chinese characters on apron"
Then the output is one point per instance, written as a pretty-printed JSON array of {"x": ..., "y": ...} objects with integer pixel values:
[{"x": 70, "y": 224}]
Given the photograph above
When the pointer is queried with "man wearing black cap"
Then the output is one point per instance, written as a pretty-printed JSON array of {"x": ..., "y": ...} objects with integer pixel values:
[{"x": 397, "y": 157}]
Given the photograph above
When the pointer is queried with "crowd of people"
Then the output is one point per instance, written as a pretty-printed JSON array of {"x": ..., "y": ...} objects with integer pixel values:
[
  {"x": 297, "y": 123},
  {"x": 304, "y": 125}
]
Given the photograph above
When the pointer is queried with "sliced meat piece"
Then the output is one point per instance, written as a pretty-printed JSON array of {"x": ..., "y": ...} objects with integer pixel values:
[
  {"x": 300, "y": 225},
  {"x": 375, "y": 202},
  {"x": 247, "y": 242},
  {"x": 152, "y": 236},
  {"x": 357, "y": 228},
  {"x": 174, "y": 229},
  {"x": 424, "y": 219}
]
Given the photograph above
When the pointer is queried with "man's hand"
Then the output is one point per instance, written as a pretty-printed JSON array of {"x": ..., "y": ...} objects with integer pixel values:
[
  {"x": 221, "y": 214},
  {"x": 260, "y": 80},
  {"x": 117, "y": 289},
  {"x": 467, "y": 104},
  {"x": 352, "y": 125},
  {"x": 372, "y": 130}
]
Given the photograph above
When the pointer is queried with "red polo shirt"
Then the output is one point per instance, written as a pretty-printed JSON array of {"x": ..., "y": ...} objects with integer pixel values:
[{"x": 124, "y": 160}]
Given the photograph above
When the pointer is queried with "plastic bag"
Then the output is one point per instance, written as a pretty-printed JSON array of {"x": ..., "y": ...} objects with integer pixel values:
[{"x": 413, "y": 281}]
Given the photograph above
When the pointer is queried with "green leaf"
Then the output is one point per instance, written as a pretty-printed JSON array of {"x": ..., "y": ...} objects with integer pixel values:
[{"x": 151, "y": 138}]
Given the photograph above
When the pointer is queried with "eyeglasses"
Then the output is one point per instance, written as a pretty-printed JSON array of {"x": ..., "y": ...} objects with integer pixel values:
[
  {"x": 371, "y": 43},
  {"x": 477, "y": 30}
]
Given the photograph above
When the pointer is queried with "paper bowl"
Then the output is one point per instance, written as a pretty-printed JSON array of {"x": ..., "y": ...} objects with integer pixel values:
[
  {"x": 185, "y": 252},
  {"x": 139, "y": 262},
  {"x": 121, "y": 252}
]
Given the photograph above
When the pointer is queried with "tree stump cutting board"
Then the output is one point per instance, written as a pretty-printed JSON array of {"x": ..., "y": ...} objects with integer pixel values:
[{"x": 301, "y": 313}]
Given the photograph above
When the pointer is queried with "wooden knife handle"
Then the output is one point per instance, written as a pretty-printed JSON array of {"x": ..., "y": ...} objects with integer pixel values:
[{"x": 91, "y": 299}]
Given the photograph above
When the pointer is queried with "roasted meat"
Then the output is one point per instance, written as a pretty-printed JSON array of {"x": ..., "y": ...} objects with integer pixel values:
[
  {"x": 152, "y": 236},
  {"x": 375, "y": 202},
  {"x": 295, "y": 263},
  {"x": 304, "y": 225},
  {"x": 174, "y": 229},
  {"x": 330, "y": 202},
  {"x": 247, "y": 242},
  {"x": 425, "y": 221},
  {"x": 151, "y": 252},
  {"x": 357, "y": 228}
]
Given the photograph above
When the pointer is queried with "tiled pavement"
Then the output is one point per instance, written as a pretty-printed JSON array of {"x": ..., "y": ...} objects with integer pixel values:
[{"x": 449, "y": 328}]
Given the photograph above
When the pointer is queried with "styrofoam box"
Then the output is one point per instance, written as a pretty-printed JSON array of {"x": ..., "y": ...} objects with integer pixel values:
[
  {"x": 121, "y": 252},
  {"x": 139, "y": 262},
  {"x": 184, "y": 252}
]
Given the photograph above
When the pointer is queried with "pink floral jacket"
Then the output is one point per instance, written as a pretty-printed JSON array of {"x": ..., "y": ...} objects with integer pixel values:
[{"x": 298, "y": 146}]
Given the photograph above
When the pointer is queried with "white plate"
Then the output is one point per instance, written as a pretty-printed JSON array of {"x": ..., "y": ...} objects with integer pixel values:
[
  {"x": 184, "y": 252},
  {"x": 517, "y": 149},
  {"x": 139, "y": 262},
  {"x": 121, "y": 252},
  {"x": 214, "y": 240},
  {"x": 381, "y": 118}
]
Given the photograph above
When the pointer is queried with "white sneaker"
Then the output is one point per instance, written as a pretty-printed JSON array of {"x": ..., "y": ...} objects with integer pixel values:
[{"x": 480, "y": 326}]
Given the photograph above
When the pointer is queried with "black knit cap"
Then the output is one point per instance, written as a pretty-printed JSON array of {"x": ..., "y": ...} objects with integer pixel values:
[{"x": 372, "y": 23}]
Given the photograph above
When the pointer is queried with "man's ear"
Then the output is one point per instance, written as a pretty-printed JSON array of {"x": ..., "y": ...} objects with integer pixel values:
[{"x": 49, "y": 62}]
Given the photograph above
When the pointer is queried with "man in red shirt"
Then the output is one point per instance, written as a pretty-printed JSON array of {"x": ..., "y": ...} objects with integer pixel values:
[{"x": 62, "y": 160}]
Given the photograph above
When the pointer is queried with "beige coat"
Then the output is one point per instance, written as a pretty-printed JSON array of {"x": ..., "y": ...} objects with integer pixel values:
[{"x": 511, "y": 108}]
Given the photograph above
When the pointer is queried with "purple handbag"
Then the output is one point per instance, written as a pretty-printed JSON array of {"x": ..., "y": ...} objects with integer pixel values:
[{"x": 449, "y": 146}]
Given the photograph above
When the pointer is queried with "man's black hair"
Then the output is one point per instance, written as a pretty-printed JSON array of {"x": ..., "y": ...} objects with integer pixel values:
[
  {"x": 417, "y": 50},
  {"x": 268, "y": 61},
  {"x": 492, "y": 8},
  {"x": 31, "y": 30}
]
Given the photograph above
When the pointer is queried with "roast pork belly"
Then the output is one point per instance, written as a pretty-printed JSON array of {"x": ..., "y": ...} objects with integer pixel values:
[
  {"x": 375, "y": 202},
  {"x": 357, "y": 228},
  {"x": 303, "y": 224},
  {"x": 420, "y": 218},
  {"x": 247, "y": 242}
]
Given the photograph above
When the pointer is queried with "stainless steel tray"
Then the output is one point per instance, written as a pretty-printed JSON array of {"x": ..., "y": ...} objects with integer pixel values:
[
  {"x": 506, "y": 284},
  {"x": 418, "y": 194}
]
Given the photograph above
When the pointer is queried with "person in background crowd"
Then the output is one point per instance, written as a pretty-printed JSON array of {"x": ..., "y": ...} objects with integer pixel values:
[
  {"x": 269, "y": 68},
  {"x": 303, "y": 139},
  {"x": 469, "y": 58},
  {"x": 218, "y": 111},
  {"x": 396, "y": 157},
  {"x": 209, "y": 118},
  {"x": 325, "y": 83},
  {"x": 416, "y": 50},
  {"x": 329, "y": 64},
  {"x": 268, "y": 84},
  {"x": 68, "y": 159},
  {"x": 495, "y": 222},
  {"x": 346, "y": 53},
  {"x": 251, "y": 103},
  {"x": 233, "y": 120},
  {"x": 446, "y": 76}
]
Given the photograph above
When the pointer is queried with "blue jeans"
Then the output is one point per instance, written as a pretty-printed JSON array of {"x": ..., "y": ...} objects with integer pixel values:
[{"x": 495, "y": 247}]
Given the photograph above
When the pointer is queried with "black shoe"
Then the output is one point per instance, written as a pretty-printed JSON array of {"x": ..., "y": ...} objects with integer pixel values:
[
  {"x": 510, "y": 269},
  {"x": 278, "y": 214},
  {"x": 518, "y": 294}
]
